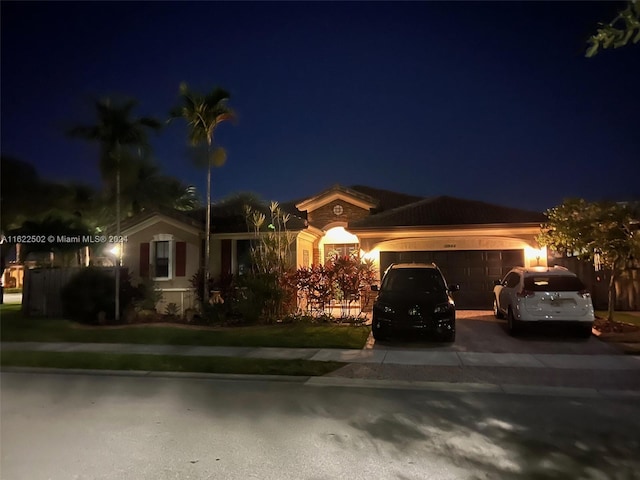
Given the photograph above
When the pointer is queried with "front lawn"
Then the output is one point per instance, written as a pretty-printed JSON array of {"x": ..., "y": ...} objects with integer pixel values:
[
  {"x": 624, "y": 323},
  {"x": 14, "y": 327},
  {"x": 622, "y": 317},
  {"x": 167, "y": 363}
]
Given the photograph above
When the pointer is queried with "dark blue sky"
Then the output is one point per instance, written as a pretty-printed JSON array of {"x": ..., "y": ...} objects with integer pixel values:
[{"x": 486, "y": 101}]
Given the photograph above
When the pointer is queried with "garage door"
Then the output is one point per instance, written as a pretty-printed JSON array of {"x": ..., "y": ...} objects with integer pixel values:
[{"x": 474, "y": 270}]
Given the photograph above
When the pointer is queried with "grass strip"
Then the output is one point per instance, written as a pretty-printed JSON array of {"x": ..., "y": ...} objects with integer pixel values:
[
  {"x": 14, "y": 327},
  {"x": 167, "y": 363},
  {"x": 623, "y": 317}
]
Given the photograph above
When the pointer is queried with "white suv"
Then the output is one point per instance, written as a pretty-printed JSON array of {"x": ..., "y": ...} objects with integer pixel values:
[{"x": 543, "y": 294}]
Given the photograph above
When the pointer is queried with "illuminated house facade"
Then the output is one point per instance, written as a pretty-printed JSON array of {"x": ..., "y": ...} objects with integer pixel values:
[{"x": 474, "y": 243}]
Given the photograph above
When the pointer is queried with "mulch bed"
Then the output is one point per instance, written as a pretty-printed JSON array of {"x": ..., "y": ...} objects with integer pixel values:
[{"x": 604, "y": 326}]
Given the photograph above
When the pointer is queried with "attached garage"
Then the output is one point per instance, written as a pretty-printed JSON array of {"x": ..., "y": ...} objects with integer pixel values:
[{"x": 474, "y": 270}]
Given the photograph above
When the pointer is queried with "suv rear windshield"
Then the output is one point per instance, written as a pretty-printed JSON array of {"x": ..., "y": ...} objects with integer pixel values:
[
  {"x": 555, "y": 283},
  {"x": 413, "y": 280}
]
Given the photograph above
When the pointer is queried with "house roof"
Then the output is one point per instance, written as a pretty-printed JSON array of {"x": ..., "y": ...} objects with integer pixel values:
[
  {"x": 386, "y": 199},
  {"x": 392, "y": 209},
  {"x": 444, "y": 210},
  {"x": 185, "y": 217},
  {"x": 337, "y": 191},
  {"x": 382, "y": 199}
]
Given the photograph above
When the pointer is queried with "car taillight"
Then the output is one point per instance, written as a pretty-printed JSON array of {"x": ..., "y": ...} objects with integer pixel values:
[
  {"x": 584, "y": 293},
  {"x": 526, "y": 293}
]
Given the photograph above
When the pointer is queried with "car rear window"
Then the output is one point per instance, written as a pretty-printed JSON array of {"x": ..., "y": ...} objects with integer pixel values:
[
  {"x": 413, "y": 280},
  {"x": 556, "y": 283}
]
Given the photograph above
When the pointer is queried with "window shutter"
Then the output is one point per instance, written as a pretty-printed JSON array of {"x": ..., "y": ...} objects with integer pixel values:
[
  {"x": 181, "y": 259},
  {"x": 144, "y": 259}
]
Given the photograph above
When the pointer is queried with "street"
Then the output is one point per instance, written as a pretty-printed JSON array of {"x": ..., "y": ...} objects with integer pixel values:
[{"x": 80, "y": 426}]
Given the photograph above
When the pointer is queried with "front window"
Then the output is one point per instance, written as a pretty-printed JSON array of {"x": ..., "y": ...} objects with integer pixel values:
[
  {"x": 244, "y": 256},
  {"x": 161, "y": 251},
  {"x": 339, "y": 250}
]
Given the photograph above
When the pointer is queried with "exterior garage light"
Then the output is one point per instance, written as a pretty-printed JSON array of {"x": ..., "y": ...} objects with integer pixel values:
[{"x": 535, "y": 257}]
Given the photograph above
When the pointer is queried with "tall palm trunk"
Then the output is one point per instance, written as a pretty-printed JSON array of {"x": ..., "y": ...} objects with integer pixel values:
[
  {"x": 207, "y": 241},
  {"x": 119, "y": 245}
]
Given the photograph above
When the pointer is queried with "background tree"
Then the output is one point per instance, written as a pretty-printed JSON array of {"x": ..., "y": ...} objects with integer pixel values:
[
  {"x": 203, "y": 114},
  {"x": 122, "y": 138},
  {"x": 623, "y": 29},
  {"x": 27, "y": 196},
  {"x": 55, "y": 227},
  {"x": 32, "y": 205},
  {"x": 123, "y": 142},
  {"x": 605, "y": 233},
  {"x": 146, "y": 187}
]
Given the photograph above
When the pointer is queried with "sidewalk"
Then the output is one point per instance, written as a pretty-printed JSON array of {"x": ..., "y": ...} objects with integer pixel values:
[
  {"x": 374, "y": 357},
  {"x": 529, "y": 374}
]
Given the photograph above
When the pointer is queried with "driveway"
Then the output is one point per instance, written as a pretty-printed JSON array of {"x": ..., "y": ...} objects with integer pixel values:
[{"x": 480, "y": 331}]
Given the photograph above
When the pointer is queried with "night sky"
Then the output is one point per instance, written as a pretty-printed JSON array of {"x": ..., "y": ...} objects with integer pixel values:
[{"x": 484, "y": 101}]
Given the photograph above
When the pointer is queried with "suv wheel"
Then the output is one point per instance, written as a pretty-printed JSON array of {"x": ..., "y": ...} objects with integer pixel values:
[
  {"x": 585, "y": 332},
  {"x": 512, "y": 324},
  {"x": 449, "y": 336},
  {"x": 377, "y": 331},
  {"x": 496, "y": 311}
]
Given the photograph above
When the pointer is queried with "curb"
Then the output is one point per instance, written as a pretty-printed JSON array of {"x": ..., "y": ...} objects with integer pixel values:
[
  {"x": 342, "y": 382},
  {"x": 157, "y": 374}
]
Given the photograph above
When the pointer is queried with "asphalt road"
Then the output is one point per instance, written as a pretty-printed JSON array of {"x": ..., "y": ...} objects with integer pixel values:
[{"x": 64, "y": 427}]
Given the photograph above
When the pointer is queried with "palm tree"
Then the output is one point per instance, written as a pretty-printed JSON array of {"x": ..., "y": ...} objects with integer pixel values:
[
  {"x": 149, "y": 188},
  {"x": 121, "y": 138},
  {"x": 203, "y": 114}
]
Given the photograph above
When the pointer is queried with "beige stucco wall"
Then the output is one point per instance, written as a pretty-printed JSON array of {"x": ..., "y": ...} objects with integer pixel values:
[
  {"x": 176, "y": 289},
  {"x": 304, "y": 243}
]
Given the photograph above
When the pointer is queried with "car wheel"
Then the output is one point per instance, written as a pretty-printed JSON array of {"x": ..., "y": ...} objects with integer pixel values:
[
  {"x": 377, "y": 332},
  {"x": 585, "y": 332},
  {"x": 496, "y": 311},
  {"x": 512, "y": 324},
  {"x": 449, "y": 336}
]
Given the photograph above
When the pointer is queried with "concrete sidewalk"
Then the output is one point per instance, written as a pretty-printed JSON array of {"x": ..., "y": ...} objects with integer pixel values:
[{"x": 379, "y": 357}]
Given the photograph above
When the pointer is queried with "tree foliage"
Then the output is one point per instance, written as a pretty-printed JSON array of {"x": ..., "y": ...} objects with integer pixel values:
[
  {"x": 122, "y": 137},
  {"x": 27, "y": 196},
  {"x": 624, "y": 28},
  {"x": 125, "y": 152},
  {"x": 606, "y": 233}
]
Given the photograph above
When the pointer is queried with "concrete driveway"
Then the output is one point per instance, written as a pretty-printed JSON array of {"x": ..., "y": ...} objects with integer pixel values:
[{"x": 479, "y": 331}]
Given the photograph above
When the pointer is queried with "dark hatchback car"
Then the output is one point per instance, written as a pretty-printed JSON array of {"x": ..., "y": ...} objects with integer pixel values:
[{"x": 414, "y": 298}]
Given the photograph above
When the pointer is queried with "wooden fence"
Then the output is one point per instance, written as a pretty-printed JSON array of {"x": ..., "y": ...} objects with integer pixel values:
[
  {"x": 627, "y": 285},
  {"x": 41, "y": 293}
]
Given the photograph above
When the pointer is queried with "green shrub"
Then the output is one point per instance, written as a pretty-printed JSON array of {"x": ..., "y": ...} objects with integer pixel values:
[
  {"x": 89, "y": 296},
  {"x": 172, "y": 310},
  {"x": 260, "y": 298},
  {"x": 146, "y": 296}
]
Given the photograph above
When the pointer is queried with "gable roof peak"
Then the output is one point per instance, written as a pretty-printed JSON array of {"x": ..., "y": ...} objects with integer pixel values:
[{"x": 337, "y": 191}]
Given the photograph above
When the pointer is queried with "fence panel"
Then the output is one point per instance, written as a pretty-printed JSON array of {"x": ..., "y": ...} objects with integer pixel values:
[{"x": 41, "y": 294}]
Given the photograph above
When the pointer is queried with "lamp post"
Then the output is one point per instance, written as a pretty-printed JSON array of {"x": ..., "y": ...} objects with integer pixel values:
[{"x": 117, "y": 253}]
